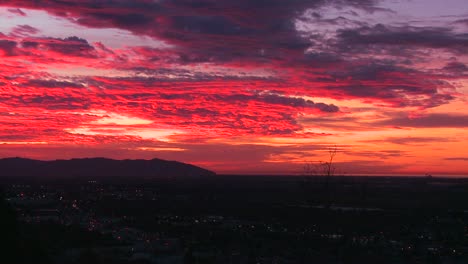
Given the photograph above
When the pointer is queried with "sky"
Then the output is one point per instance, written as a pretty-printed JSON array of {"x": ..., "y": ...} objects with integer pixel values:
[{"x": 244, "y": 87}]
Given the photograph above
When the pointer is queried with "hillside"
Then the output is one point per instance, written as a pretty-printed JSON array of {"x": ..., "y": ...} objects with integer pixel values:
[{"x": 98, "y": 168}]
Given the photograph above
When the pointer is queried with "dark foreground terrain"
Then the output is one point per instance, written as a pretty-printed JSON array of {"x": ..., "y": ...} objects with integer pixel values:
[{"x": 235, "y": 219}]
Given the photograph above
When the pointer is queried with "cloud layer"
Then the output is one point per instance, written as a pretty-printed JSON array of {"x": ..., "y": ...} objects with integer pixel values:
[{"x": 194, "y": 76}]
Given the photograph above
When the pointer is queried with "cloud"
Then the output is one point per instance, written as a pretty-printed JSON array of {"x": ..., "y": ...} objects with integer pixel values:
[
  {"x": 254, "y": 34},
  {"x": 278, "y": 99},
  {"x": 337, "y": 123},
  {"x": 389, "y": 84},
  {"x": 225, "y": 71},
  {"x": 42, "y": 83},
  {"x": 456, "y": 67},
  {"x": 411, "y": 140},
  {"x": 37, "y": 47},
  {"x": 462, "y": 21},
  {"x": 427, "y": 121},
  {"x": 8, "y": 47},
  {"x": 383, "y": 154},
  {"x": 71, "y": 46},
  {"x": 405, "y": 36},
  {"x": 457, "y": 159},
  {"x": 16, "y": 11},
  {"x": 225, "y": 107},
  {"x": 24, "y": 93},
  {"x": 206, "y": 30},
  {"x": 24, "y": 30}
]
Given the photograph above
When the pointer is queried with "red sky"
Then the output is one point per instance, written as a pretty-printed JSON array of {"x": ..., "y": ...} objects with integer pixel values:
[{"x": 245, "y": 86}]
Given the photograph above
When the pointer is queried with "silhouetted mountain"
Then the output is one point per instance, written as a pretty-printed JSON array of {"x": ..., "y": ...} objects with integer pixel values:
[{"x": 98, "y": 168}]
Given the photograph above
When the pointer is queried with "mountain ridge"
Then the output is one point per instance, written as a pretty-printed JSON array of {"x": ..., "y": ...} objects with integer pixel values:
[{"x": 99, "y": 167}]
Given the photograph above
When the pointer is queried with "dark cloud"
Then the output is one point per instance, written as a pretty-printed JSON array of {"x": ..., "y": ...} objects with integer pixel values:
[
  {"x": 41, "y": 83},
  {"x": 411, "y": 140},
  {"x": 27, "y": 133},
  {"x": 16, "y": 11},
  {"x": 24, "y": 30},
  {"x": 335, "y": 119},
  {"x": 8, "y": 47},
  {"x": 214, "y": 25},
  {"x": 320, "y": 59},
  {"x": 429, "y": 121},
  {"x": 372, "y": 72},
  {"x": 70, "y": 46},
  {"x": 407, "y": 37},
  {"x": 297, "y": 102},
  {"x": 47, "y": 101},
  {"x": 462, "y": 21},
  {"x": 394, "y": 85},
  {"x": 457, "y": 159},
  {"x": 29, "y": 44},
  {"x": 455, "y": 67},
  {"x": 206, "y": 30}
]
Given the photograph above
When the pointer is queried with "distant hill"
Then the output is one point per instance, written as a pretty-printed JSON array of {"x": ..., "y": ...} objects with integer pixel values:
[{"x": 98, "y": 168}]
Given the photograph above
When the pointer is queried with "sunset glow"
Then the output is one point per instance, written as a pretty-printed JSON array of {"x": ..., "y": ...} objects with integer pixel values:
[{"x": 239, "y": 86}]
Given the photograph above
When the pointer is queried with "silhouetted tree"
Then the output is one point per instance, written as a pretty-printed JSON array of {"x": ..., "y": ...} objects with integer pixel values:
[
  {"x": 324, "y": 169},
  {"x": 329, "y": 170}
]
